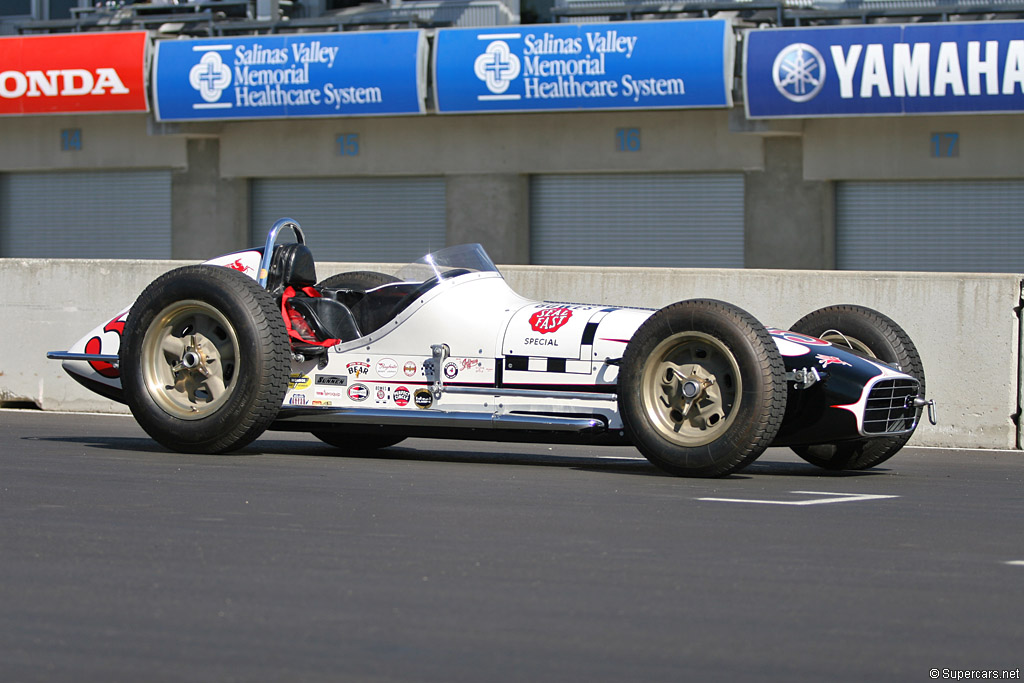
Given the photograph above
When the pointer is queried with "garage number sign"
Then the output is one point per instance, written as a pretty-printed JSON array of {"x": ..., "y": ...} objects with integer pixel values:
[
  {"x": 625, "y": 65},
  {"x": 300, "y": 75}
]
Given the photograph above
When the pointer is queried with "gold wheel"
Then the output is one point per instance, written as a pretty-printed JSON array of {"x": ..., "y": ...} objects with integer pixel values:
[
  {"x": 189, "y": 359},
  {"x": 691, "y": 388}
]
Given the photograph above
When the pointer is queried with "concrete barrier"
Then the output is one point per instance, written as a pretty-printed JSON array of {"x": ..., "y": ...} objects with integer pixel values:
[{"x": 966, "y": 325}]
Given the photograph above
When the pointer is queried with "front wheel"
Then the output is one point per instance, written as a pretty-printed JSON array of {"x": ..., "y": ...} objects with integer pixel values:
[
  {"x": 702, "y": 388},
  {"x": 874, "y": 335},
  {"x": 204, "y": 359}
]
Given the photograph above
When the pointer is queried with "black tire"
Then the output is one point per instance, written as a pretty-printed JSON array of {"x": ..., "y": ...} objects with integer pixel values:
[
  {"x": 357, "y": 442},
  {"x": 226, "y": 384},
  {"x": 735, "y": 371},
  {"x": 874, "y": 335},
  {"x": 360, "y": 280}
]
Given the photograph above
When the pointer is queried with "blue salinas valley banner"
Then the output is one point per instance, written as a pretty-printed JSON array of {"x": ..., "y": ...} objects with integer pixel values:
[
  {"x": 351, "y": 74},
  {"x": 643, "y": 65},
  {"x": 968, "y": 67}
]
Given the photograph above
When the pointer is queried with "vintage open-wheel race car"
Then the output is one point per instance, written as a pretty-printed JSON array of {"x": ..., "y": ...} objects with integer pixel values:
[{"x": 210, "y": 356}]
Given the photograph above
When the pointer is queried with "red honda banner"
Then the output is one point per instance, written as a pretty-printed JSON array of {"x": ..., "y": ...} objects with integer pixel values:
[{"x": 73, "y": 73}]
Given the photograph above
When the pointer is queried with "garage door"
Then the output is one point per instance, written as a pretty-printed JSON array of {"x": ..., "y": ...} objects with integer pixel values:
[
  {"x": 966, "y": 226},
  {"x": 95, "y": 214},
  {"x": 394, "y": 220},
  {"x": 642, "y": 219}
]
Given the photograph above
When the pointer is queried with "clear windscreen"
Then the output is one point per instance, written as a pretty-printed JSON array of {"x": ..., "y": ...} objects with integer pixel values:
[{"x": 448, "y": 263}]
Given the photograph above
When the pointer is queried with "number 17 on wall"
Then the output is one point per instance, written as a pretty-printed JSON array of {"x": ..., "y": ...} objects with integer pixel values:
[{"x": 945, "y": 145}]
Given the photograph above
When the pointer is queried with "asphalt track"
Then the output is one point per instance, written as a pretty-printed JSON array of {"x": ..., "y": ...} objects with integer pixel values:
[{"x": 460, "y": 561}]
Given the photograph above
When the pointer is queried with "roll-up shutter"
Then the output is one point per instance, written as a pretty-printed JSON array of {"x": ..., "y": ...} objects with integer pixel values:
[
  {"x": 95, "y": 214},
  {"x": 937, "y": 225},
  {"x": 642, "y": 219},
  {"x": 356, "y": 219}
]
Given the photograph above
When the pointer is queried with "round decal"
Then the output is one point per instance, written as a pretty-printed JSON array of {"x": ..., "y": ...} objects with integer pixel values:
[
  {"x": 358, "y": 392},
  {"x": 409, "y": 368},
  {"x": 423, "y": 398},
  {"x": 451, "y": 370},
  {"x": 387, "y": 368},
  {"x": 401, "y": 396}
]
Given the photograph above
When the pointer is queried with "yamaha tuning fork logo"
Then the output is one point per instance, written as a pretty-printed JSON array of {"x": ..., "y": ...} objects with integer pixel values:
[{"x": 799, "y": 72}]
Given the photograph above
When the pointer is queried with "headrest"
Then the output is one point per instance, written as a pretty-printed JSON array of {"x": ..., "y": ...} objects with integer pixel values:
[{"x": 292, "y": 264}]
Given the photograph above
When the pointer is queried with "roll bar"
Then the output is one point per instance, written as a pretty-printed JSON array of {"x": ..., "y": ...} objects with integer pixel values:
[{"x": 268, "y": 249}]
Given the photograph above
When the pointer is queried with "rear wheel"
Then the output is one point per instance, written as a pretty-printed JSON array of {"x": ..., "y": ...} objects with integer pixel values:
[
  {"x": 702, "y": 388},
  {"x": 874, "y": 335},
  {"x": 204, "y": 359}
]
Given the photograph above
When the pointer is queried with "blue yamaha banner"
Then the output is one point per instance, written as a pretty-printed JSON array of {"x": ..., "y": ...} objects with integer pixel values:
[
  {"x": 879, "y": 70},
  {"x": 625, "y": 65},
  {"x": 350, "y": 74}
]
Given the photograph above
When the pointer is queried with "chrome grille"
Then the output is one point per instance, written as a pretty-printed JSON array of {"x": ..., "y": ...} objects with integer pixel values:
[{"x": 890, "y": 407}]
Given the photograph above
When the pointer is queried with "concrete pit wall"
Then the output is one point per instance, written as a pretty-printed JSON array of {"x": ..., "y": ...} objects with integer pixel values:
[{"x": 965, "y": 325}]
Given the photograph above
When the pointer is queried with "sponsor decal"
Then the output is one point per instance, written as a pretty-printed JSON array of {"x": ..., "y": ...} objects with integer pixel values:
[
  {"x": 358, "y": 368},
  {"x": 358, "y": 392},
  {"x": 241, "y": 267},
  {"x": 550, "y": 319},
  {"x": 328, "y": 393},
  {"x": 96, "y": 72},
  {"x": 879, "y": 70},
  {"x": 298, "y": 400},
  {"x": 451, "y": 370},
  {"x": 299, "y": 75},
  {"x": 383, "y": 393},
  {"x": 584, "y": 66},
  {"x": 331, "y": 380},
  {"x": 401, "y": 396},
  {"x": 409, "y": 368},
  {"x": 299, "y": 382},
  {"x": 387, "y": 368},
  {"x": 95, "y": 345},
  {"x": 536, "y": 341},
  {"x": 471, "y": 364},
  {"x": 830, "y": 360},
  {"x": 423, "y": 398},
  {"x": 322, "y": 403}
]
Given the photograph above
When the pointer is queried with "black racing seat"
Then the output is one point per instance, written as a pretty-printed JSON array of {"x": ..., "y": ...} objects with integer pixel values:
[
  {"x": 291, "y": 264},
  {"x": 328, "y": 318}
]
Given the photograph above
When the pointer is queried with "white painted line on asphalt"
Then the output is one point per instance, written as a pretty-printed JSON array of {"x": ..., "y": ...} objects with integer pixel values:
[
  {"x": 832, "y": 498},
  {"x": 1016, "y": 563}
]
